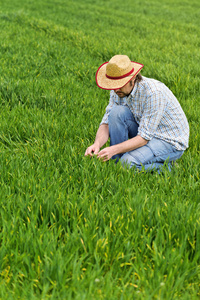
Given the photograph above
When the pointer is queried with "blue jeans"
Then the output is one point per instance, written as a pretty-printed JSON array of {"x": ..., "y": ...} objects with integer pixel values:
[{"x": 152, "y": 156}]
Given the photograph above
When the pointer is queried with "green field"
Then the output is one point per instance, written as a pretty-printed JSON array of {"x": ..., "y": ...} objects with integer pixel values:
[{"x": 72, "y": 227}]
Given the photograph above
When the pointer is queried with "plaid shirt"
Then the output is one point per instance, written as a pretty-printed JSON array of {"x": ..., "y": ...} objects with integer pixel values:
[{"x": 157, "y": 112}]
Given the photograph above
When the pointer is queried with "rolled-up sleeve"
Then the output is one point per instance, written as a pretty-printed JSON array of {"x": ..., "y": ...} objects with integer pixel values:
[{"x": 152, "y": 114}]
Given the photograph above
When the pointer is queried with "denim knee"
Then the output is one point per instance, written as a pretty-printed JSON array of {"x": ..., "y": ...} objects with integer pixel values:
[
  {"x": 129, "y": 161},
  {"x": 118, "y": 112}
]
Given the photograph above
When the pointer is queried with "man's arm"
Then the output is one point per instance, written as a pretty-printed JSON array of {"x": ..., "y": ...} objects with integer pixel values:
[
  {"x": 101, "y": 138},
  {"x": 129, "y": 145}
]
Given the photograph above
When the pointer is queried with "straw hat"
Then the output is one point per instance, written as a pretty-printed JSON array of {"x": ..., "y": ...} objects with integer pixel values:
[{"x": 117, "y": 72}]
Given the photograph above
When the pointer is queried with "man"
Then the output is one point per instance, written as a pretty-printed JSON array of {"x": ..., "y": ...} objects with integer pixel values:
[{"x": 144, "y": 120}]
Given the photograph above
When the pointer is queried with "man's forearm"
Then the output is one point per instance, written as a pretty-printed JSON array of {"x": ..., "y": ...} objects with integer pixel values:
[
  {"x": 130, "y": 145},
  {"x": 102, "y": 135}
]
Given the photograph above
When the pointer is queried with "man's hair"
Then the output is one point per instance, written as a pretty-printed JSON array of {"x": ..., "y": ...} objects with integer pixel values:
[{"x": 138, "y": 78}]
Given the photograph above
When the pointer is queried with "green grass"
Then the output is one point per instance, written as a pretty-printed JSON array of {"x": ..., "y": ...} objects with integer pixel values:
[{"x": 72, "y": 227}]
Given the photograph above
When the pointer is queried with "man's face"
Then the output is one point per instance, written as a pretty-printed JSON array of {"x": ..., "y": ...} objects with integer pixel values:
[{"x": 125, "y": 90}]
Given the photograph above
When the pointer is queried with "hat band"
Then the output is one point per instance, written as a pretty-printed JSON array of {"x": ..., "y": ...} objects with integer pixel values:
[{"x": 120, "y": 77}]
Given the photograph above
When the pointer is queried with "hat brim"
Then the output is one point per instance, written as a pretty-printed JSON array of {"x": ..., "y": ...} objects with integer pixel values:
[{"x": 112, "y": 84}]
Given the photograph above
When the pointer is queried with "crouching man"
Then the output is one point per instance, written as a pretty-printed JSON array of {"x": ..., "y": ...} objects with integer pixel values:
[{"x": 144, "y": 120}]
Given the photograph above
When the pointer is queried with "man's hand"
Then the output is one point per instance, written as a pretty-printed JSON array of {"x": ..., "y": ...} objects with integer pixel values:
[
  {"x": 92, "y": 150},
  {"x": 101, "y": 138},
  {"x": 106, "y": 153}
]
